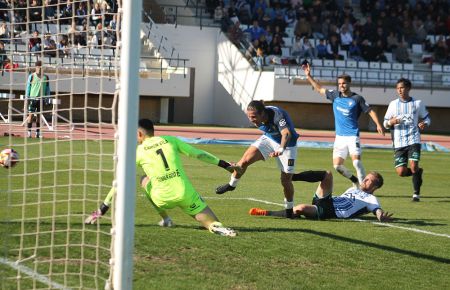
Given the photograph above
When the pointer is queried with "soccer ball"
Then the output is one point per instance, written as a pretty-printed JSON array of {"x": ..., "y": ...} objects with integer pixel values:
[{"x": 9, "y": 158}]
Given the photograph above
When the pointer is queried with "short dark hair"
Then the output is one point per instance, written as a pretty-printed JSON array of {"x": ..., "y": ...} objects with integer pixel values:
[
  {"x": 345, "y": 77},
  {"x": 257, "y": 106},
  {"x": 38, "y": 63},
  {"x": 379, "y": 177},
  {"x": 406, "y": 82},
  {"x": 147, "y": 126}
]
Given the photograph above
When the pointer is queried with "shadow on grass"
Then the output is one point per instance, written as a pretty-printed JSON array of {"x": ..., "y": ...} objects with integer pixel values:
[{"x": 354, "y": 242}]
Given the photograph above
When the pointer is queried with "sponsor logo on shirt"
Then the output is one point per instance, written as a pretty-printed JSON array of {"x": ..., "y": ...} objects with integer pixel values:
[
  {"x": 168, "y": 176},
  {"x": 343, "y": 110},
  {"x": 282, "y": 123}
]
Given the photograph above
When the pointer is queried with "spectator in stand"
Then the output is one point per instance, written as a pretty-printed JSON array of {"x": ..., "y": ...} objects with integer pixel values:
[
  {"x": 49, "y": 45},
  {"x": 391, "y": 41},
  {"x": 259, "y": 59},
  {"x": 275, "y": 46},
  {"x": 440, "y": 53},
  {"x": 106, "y": 13},
  {"x": 369, "y": 29},
  {"x": 81, "y": 13},
  {"x": 4, "y": 33},
  {"x": 429, "y": 24},
  {"x": 297, "y": 47},
  {"x": 235, "y": 33},
  {"x": 321, "y": 49},
  {"x": 420, "y": 32},
  {"x": 49, "y": 10},
  {"x": 34, "y": 44},
  {"x": 302, "y": 28},
  {"x": 333, "y": 48},
  {"x": 401, "y": 53},
  {"x": 211, "y": 6},
  {"x": 263, "y": 43},
  {"x": 326, "y": 27},
  {"x": 3, "y": 55},
  {"x": 346, "y": 38},
  {"x": 290, "y": 17},
  {"x": 255, "y": 30},
  {"x": 367, "y": 51},
  {"x": 259, "y": 4},
  {"x": 379, "y": 52},
  {"x": 407, "y": 31},
  {"x": 96, "y": 14},
  {"x": 35, "y": 11},
  {"x": 66, "y": 13},
  {"x": 63, "y": 46},
  {"x": 316, "y": 27},
  {"x": 309, "y": 50},
  {"x": 354, "y": 51},
  {"x": 380, "y": 35},
  {"x": 8, "y": 65}
]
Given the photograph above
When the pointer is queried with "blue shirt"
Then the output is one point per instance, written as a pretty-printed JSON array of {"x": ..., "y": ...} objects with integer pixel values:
[
  {"x": 278, "y": 120},
  {"x": 346, "y": 112}
]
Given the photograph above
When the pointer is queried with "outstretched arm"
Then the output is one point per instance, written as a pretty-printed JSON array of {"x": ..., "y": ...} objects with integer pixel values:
[
  {"x": 383, "y": 216},
  {"x": 374, "y": 117},
  {"x": 285, "y": 137},
  {"x": 316, "y": 85},
  {"x": 204, "y": 156}
]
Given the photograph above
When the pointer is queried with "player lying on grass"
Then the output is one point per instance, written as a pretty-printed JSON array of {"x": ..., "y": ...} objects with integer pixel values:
[
  {"x": 166, "y": 184},
  {"x": 352, "y": 203}
]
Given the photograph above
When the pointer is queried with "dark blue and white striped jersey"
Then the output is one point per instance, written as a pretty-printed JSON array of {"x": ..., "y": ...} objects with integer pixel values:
[
  {"x": 278, "y": 120},
  {"x": 354, "y": 202},
  {"x": 409, "y": 113},
  {"x": 346, "y": 112}
]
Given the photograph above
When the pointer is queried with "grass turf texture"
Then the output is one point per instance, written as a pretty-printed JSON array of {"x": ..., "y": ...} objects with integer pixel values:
[{"x": 270, "y": 253}]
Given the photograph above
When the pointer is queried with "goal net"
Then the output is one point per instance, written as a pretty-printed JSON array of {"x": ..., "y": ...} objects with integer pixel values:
[{"x": 68, "y": 156}]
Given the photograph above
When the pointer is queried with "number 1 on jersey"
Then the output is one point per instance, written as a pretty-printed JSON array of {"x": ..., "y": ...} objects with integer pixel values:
[{"x": 160, "y": 152}]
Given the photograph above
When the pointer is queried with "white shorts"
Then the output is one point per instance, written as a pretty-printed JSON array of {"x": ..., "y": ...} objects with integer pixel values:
[
  {"x": 286, "y": 161},
  {"x": 343, "y": 145}
]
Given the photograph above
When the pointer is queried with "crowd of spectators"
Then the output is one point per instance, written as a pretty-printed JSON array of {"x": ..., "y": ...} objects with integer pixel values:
[
  {"x": 330, "y": 29},
  {"x": 91, "y": 23}
]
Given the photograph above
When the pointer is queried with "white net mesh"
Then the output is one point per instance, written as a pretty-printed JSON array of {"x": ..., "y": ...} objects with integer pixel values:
[{"x": 64, "y": 173}]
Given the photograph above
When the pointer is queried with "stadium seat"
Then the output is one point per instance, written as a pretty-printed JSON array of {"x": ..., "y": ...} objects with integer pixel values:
[
  {"x": 374, "y": 65},
  {"x": 419, "y": 78},
  {"x": 436, "y": 68},
  {"x": 417, "y": 49},
  {"x": 287, "y": 41},
  {"x": 352, "y": 63},
  {"x": 328, "y": 62},
  {"x": 431, "y": 38},
  {"x": 326, "y": 74},
  {"x": 285, "y": 51},
  {"x": 386, "y": 65},
  {"x": 446, "y": 80},
  {"x": 408, "y": 66},
  {"x": 290, "y": 31},
  {"x": 397, "y": 66},
  {"x": 363, "y": 64},
  {"x": 389, "y": 57},
  {"x": 317, "y": 62},
  {"x": 280, "y": 71},
  {"x": 446, "y": 68},
  {"x": 339, "y": 63}
]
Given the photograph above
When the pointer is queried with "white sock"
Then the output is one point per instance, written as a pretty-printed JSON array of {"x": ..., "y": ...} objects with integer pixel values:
[
  {"x": 234, "y": 181},
  {"x": 360, "y": 172},
  {"x": 343, "y": 170},
  {"x": 288, "y": 204}
]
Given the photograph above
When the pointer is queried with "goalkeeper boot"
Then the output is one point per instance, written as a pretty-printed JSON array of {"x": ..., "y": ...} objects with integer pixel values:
[
  {"x": 257, "y": 211},
  {"x": 224, "y": 188},
  {"x": 167, "y": 222},
  {"x": 92, "y": 219},
  {"x": 218, "y": 229}
]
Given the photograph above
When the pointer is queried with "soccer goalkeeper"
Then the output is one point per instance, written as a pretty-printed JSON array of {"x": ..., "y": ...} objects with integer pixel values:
[{"x": 166, "y": 184}]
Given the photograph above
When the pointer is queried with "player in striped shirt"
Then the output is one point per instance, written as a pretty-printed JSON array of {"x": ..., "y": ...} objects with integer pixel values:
[
  {"x": 347, "y": 107},
  {"x": 405, "y": 117},
  {"x": 352, "y": 203}
]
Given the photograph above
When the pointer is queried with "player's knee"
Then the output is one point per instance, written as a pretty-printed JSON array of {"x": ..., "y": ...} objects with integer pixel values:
[
  {"x": 144, "y": 180},
  {"x": 401, "y": 171}
]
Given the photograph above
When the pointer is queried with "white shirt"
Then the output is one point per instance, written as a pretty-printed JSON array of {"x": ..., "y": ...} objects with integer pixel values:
[
  {"x": 406, "y": 132},
  {"x": 354, "y": 202}
]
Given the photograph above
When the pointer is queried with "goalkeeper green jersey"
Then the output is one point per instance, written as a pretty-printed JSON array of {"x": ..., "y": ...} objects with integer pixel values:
[{"x": 160, "y": 159}]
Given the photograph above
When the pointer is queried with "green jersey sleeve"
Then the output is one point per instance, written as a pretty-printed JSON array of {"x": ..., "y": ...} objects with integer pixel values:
[{"x": 191, "y": 151}]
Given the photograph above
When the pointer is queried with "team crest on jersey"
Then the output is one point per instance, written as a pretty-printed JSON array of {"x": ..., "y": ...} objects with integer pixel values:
[
  {"x": 350, "y": 103},
  {"x": 282, "y": 123}
]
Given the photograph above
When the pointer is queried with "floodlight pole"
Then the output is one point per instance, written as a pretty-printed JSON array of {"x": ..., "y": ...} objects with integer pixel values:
[{"x": 126, "y": 150}]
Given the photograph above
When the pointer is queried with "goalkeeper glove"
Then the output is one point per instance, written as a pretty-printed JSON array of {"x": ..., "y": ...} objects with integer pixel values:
[{"x": 96, "y": 214}]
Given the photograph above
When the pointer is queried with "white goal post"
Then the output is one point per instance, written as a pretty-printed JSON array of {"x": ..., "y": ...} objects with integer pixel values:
[{"x": 80, "y": 144}]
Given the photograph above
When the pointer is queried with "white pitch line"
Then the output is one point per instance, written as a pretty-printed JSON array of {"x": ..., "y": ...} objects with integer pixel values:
[
  {"x": 404, "y": 228},
  {"x": 31, "y": 273},
  {"x": 356, "y": 220}
]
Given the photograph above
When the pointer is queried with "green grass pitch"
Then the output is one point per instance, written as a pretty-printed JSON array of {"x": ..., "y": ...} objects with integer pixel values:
[{"x": 268, "y": 253}]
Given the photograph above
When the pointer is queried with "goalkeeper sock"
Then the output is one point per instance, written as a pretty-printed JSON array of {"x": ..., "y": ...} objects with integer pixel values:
[{"x": 309, "y": 176}]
